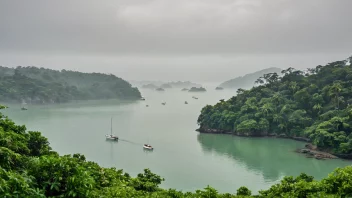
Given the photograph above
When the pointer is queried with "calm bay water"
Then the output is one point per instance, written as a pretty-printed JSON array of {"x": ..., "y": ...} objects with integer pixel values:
[{"x": 186, "y": 159}]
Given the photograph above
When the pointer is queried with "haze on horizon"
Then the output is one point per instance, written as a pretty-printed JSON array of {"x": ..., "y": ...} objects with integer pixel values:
[{"x": 197, "y": 40}]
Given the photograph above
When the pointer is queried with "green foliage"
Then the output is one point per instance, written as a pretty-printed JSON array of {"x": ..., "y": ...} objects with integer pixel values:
[
  {"x": 339, "y": 182},
  {"x": 315, "y": 105},
  {"x": 39, "y": 85},
  {"x": 244, "y": 191}
]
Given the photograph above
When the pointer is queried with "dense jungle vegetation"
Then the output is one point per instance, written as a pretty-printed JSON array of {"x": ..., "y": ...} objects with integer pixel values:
[
  {"x": 40, "y": 85},
  {"x": 313, "y": 104},
  {"x": 30, "y": 168}
]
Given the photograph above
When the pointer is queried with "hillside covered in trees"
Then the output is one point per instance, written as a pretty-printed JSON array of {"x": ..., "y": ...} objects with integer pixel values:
[
  {"x": 313, "y": 105},
  {"x": 40, "y": 85},
  {"x": 247, "y": 81},
  {"x": 30, "y": 168}
]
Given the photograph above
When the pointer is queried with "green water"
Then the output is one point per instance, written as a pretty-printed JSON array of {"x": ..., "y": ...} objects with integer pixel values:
[{"x": 186, "y": 159}]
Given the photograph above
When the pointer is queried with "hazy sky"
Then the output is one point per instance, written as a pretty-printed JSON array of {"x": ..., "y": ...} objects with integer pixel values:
[{"x": 198, "y": 40}]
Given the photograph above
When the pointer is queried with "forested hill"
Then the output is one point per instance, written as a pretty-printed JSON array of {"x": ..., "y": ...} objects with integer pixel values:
[
  {"x": 247, "y": 81},
  {"x": 313, "y": 104},
  {"x": 40, "y": 85}
]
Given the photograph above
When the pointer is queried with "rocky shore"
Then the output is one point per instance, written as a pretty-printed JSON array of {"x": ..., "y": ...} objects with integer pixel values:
[{"x": 310, "y": 150}]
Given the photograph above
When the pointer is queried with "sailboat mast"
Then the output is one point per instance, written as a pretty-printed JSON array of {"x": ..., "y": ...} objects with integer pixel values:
[{"x": 111, "y": 127}]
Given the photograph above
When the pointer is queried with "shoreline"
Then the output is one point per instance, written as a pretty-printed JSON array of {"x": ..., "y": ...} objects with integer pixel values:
[{"x": 310, "y": 150}]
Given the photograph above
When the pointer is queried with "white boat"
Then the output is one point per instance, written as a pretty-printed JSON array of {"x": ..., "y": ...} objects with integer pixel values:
[
  {"x": 111, "y": 136},
  {"x": 147, "y": 146}
]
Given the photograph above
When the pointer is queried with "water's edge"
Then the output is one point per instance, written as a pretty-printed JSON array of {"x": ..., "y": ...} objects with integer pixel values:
[{"x": 309, "y": 150}]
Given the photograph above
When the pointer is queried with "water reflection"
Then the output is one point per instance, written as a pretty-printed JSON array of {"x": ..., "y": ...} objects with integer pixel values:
[{"x": 273, "y": 158}]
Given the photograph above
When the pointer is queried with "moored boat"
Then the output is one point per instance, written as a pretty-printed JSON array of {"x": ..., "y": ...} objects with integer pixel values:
[
  {"x": 147, "y": 146},
  {"x": 111, "y": 136}
]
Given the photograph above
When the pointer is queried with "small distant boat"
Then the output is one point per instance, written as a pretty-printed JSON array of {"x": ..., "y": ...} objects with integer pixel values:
[
  {"x": 147, "y": 146},
  {"x": 195, "y": 97},
  {"x": 142, "y": 98},
  {"x": 147, "y": 105},
  {"x": 164, "y": 103},
  {"x": 23, "y": 108},
  {"x": 186, "y": 102},
  {"x": 111, "y": 136}
]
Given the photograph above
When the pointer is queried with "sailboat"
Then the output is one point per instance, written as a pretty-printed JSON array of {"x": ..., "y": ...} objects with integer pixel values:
[
  {"x": 148, "y": 146},
  {"x": 111, "y": 137}
]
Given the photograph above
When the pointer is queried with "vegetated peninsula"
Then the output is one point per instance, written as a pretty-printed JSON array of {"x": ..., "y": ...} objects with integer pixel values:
[
  {"x": 196, "y": 89},
  {"x": 247, "y": 81},
  {"x": 30, "y": 168},
  {"x": 40, "y": 86},
  {"x": 312, "y": 105}
]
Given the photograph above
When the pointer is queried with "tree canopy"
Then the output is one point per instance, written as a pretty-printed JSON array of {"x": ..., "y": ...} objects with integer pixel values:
[{"x": 314, "y": 104}]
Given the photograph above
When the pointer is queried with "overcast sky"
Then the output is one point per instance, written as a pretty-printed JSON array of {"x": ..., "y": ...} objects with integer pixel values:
[{"x": 198, "y": 40}]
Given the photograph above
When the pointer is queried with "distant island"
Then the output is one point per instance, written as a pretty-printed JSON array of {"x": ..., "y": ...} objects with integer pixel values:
[
  {"x": 160, "y": 89},
  {"x": 155, "y": 84},
  {"x": 195, "y": 89},
  {"x": 41, "y": 86},
  {"x": 184, "y": 89},
  {"x": 141, "y": 83},
  {"x": 149, "y": 86},
  {"x": 166, "y": 86},
  {"x": 183, "y": 84},
  {"x": 247, "y": 81},
  {"x": 219, "y": 88}
]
